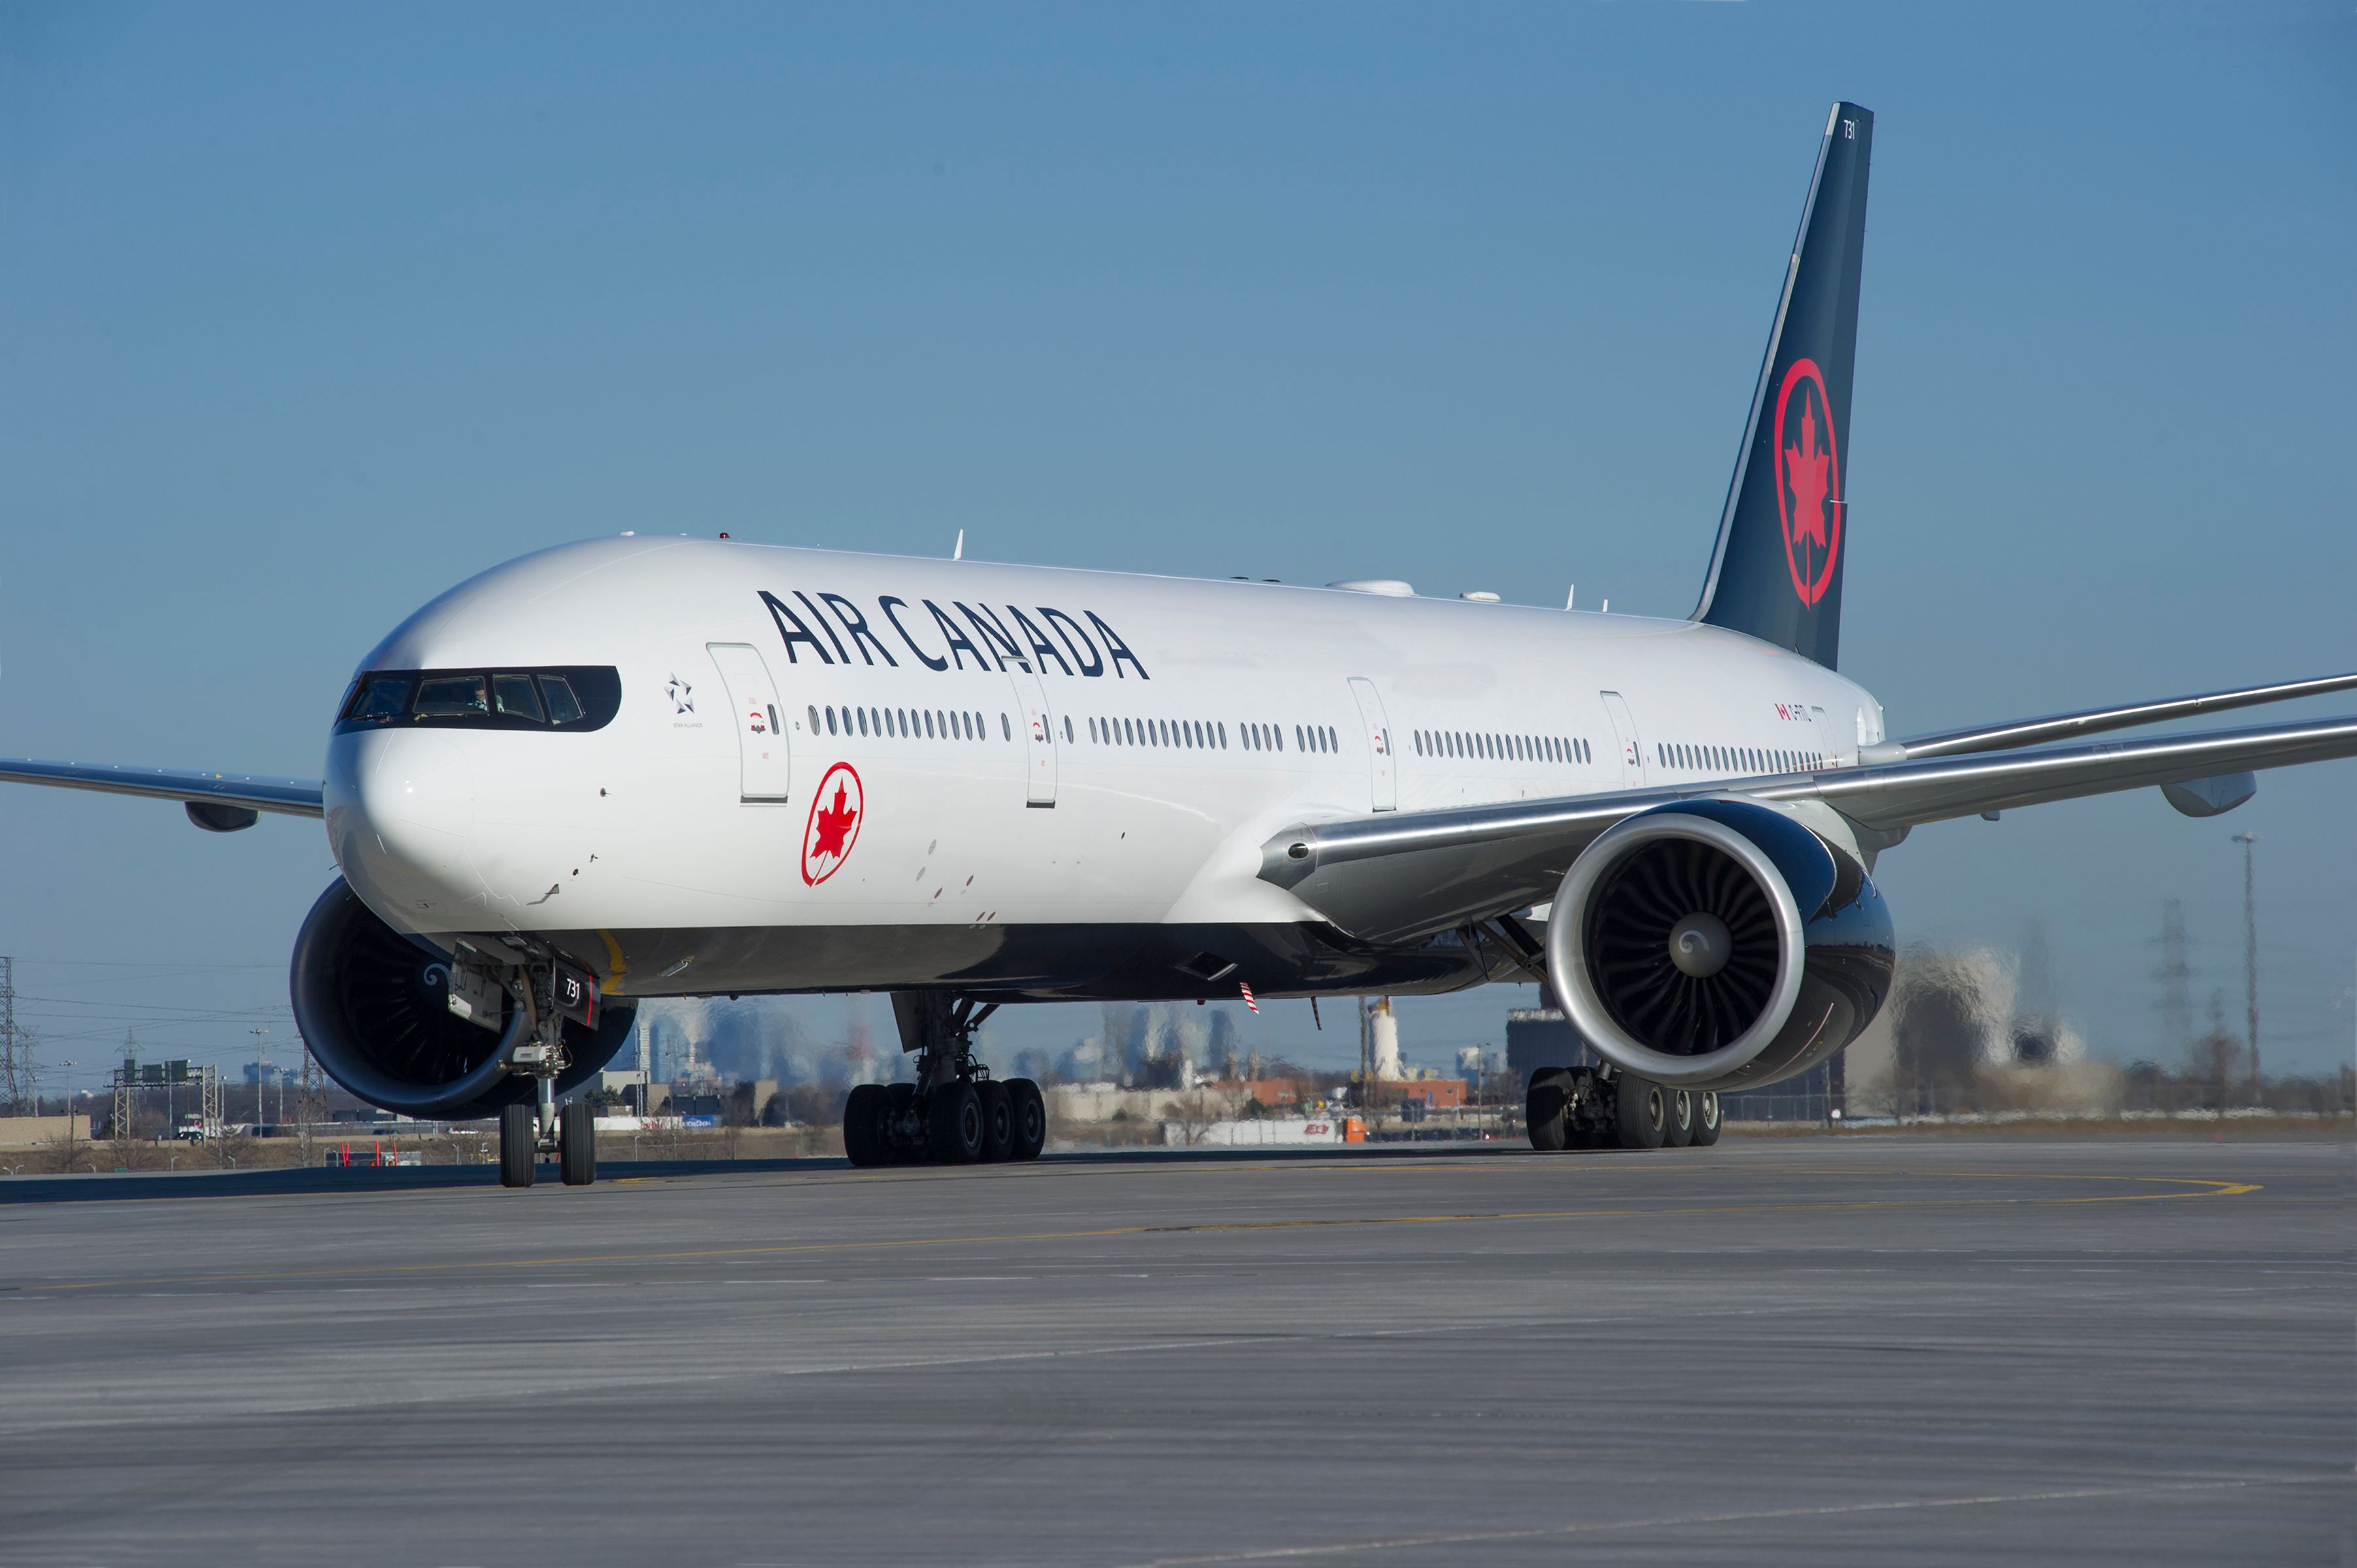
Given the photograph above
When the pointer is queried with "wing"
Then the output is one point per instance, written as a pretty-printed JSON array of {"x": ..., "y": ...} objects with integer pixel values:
[
  {"x": 2096, "y": 721},
  {"x": 219, "y": 802},
  {"x": 1404, "y": 875}
]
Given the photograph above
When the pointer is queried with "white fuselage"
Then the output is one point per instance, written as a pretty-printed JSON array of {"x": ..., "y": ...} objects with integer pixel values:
[{"x": 1125, "y": 782}]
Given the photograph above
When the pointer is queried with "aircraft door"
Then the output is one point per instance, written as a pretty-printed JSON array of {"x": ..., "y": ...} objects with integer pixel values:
[
  {"x": 1383, "y": 771},
  {"x": 1037, "y": 727},
  {"x": 1632, "y": 750},
  {"x": 764, "y": 762}
]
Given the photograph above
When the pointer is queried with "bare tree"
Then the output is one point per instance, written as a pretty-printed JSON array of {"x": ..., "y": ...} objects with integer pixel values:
[{"x": 1192, "y": 1116}]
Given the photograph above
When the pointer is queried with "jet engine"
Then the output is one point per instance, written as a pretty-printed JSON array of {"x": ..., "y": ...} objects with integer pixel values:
[
  {"x": 1716, "y": 944},
  {"x": 374, "y": 1007}
]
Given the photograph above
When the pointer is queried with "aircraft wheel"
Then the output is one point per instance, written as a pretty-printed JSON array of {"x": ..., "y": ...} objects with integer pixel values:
[
  {"x": 953, "y": 1124},
  {"x": 997, "y": 1120},
  {"x": 1705, "y": 1123},
  {"x": 519, "y": 1145},
  {"x": 576, "y": 1143},
  {"x": 1641, "y": 1111},
  {"x": 1546, "y": 1108},
  {"x": 1030, "y": 1118},
  {"x": 899, "y": 1103},
  {"x": 1592, "y": 1129},
  {"x": 863, "y": 1133},
  {"x": 1679, "y": 1130}
]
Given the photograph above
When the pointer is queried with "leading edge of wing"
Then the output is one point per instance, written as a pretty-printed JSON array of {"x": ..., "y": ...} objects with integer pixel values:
[
  {"x": 1400, "y": 875},
  {"x": 287, "y": 797},
  {"x": 2096, "y": 721}
]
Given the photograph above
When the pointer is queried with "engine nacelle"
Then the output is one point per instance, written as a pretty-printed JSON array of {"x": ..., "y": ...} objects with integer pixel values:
[
  {"x": 1718, "y": 944},
  {"x": 374, "y": 1007}
]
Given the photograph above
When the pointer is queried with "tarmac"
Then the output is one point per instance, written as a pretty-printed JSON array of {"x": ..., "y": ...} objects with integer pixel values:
[{"x": 1854, "y": 1351}]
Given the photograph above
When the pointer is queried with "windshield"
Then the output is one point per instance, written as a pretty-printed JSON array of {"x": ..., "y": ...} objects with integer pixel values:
[{"x": 573, "y": 697}]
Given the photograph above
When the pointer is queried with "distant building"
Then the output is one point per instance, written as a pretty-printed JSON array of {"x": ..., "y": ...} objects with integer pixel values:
[{"x": 1542, "y": 1037}]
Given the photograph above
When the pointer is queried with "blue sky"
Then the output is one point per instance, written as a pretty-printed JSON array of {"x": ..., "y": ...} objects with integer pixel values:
[{"x": 307, "y": 313}]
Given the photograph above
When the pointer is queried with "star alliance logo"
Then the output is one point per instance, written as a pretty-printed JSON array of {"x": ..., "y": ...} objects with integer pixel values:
[{"x": 681, "y": 699}]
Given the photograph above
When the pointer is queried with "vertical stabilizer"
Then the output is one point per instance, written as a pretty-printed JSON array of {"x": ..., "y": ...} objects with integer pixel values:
[{"x": 1782, "y": 540}]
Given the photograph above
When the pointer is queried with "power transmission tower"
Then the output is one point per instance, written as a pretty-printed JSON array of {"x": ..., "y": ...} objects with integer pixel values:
[
  {"x": 2250, "y": 949},
  {"x": 2176, "y": 1006},
  {"x": 309, "y": 1105},
  {"x": 16, "y": 1067}
]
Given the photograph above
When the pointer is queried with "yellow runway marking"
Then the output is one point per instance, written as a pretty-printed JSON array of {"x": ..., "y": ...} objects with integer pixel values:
[{"x": 2187, "y": 1187}]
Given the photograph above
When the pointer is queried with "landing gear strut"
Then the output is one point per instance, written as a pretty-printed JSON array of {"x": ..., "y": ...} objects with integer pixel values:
[
  {"x": 528, "y": 1132},
  {"x": 955, "y": 1113}
]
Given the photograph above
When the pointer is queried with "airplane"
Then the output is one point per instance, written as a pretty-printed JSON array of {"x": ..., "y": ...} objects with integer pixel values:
[{"x": 658, "y": 767}]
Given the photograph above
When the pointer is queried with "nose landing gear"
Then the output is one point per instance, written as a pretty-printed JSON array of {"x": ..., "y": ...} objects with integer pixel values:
[
  {"x": 528, "y": 1132},
  {"x": 955, "y": 1113}
]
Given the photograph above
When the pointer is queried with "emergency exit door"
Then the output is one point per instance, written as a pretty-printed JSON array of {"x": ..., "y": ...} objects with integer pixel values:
[
  {"x": 1632, "y": 748},
  {"x": 1382, "y": 774},
  {"x": 764, "y": 762},
  {"x": 1039, "y": 735}
]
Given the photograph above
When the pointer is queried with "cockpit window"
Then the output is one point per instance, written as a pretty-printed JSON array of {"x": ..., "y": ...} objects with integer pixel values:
[
  {"x": 564, "y": 708},
  {"x": 451, "y": 697},
  {"x": 379, "y": 698},
  {"x": 573, "y": 697},
  {"x": 512, "y": 695}
]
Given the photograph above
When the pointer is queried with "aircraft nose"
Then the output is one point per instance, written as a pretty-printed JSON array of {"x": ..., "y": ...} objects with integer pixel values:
[{"x": 401, "y": 819}]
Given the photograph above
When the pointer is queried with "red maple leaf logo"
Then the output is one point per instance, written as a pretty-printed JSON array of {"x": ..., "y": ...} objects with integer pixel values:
[
  {"x": 1808, "y": 468},
  {"x": 832, "y": 825},
  {"x": 1808, "y": 481}
]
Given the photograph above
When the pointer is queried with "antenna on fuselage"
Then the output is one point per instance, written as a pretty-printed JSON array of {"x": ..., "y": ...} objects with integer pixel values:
[
  {"x": 1571, "y": 596},
  {"x": 958, "y": 552}
]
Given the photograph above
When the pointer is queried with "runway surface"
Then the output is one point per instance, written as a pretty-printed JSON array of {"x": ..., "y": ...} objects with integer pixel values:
[{"x": 1859, "y": 1350}]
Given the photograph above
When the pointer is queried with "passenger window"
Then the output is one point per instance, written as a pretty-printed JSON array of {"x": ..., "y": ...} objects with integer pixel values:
[
  {"x": 381, "y": 698},
  {"x": 564, "y": 708},
  {"x": 512, "y": 695},
  {"x": 454, "y": 697}
]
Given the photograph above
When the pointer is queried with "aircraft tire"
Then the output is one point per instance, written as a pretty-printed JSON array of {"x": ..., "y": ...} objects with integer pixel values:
[
  {"x": 1678, "y": 1126},
  {"x": 1641, "y": 1111},
  {"x": 1546, "y": 1108},
  {"x": 863, "y": 1140},
  {"x": 576, "y": 1143},
  {"x": 519, "y": 1145},
  {"x": 1030, "y": 1118},
  {"x": 953, "y": 1124},
  {"x": 997, "y": 1121},
  {"x": 1706, "y": 1119}
]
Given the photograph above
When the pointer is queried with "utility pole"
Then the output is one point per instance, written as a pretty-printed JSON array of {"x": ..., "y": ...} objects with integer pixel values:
[
  {"x": 261, "y": 1077},
  {"x": 2176, "y": 1006},
  {"x": 2250, "y": 950},
  {"x": 69, "y": 1068}
]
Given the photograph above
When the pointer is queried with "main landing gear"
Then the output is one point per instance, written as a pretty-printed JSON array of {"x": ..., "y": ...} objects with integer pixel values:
[
  {"x": 1604, "y": 1108},
  {"x": 955, "y": 1113}
]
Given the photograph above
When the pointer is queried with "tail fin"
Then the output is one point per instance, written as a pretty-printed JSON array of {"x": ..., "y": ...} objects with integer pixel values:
[{"x": 1777, "y": 572}]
